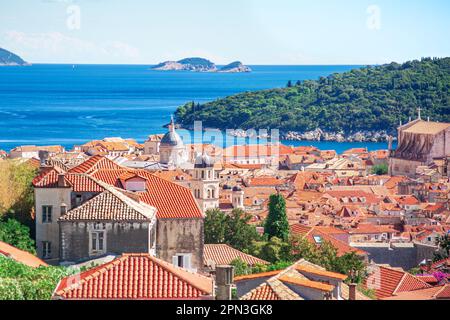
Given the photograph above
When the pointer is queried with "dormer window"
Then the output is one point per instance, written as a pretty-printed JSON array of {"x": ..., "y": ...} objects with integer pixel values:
[{"x": 135, "y": 184}]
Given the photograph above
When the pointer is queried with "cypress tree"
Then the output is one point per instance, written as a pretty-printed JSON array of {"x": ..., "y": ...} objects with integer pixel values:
[{"x": 277, "y": 224}]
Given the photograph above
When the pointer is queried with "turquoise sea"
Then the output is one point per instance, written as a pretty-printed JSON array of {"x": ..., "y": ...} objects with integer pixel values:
[{"x": 72, "y": 104}]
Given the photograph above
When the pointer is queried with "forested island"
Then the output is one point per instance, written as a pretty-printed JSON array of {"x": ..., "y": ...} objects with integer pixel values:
[
  {"x": 8, "y": 58},
  {"x": 371, "y": 100}
]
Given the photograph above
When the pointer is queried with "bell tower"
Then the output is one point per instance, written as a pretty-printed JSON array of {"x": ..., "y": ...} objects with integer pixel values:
[{"x": 205, "y": 183}]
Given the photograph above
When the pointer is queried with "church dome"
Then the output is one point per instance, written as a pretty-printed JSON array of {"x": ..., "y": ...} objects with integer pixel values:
[
  {"x": 172, "y": 138},
  {"x": 204, "y": 161}
]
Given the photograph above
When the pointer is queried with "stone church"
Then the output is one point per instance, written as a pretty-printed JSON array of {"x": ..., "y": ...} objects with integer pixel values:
[{"x": 420, "y": 143}]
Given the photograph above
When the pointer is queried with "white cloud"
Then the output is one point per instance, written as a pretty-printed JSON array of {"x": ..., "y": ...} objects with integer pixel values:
[{"x": 57, "y": 47}]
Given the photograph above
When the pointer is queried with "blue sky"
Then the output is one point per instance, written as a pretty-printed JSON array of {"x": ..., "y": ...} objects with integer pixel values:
[{"x": 253, "y": 31}]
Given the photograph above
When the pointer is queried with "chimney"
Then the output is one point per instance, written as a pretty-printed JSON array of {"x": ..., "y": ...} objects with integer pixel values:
[
  {"x": 224, "y": 280},
  {"x": 43, "y": 157},
  {"x": 62, "y": 181},
  {"x": 352, "y": 291}
]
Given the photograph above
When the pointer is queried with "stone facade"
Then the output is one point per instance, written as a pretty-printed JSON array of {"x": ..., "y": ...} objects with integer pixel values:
[
  {"x": 175, "y": 237},
  {"x": 419, "y": 143},
  {"x": 119, "y": 238}
]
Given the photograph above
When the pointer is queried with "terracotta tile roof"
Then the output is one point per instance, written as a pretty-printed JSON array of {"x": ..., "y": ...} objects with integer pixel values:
[
  {"x": 264, "y": 181},
  {"x": 78, "y": 182},
  {"x": 137, "y": 277},
  {"x": 257, "y": 151},
  {"x": 170, "y": 199},
  {"x": 434, "y": 293},
  {"x": 52, "y": 149},
  {"x": 386, "y": 282},
  {"x": 307, "y": 283},
  {"x": 111, "y": 205},
  {"x": 347, "y": 196},
  {"x": 95, "y": 163},
  {"x": 427, "y": 127},
  {"x": 311, "y": 233},
  {"x": 222, "y": 254},
  {"x": 257, "y": 276},
  {"x": 315, "y": 271},
  {"x": 20, "y": 256},
  {"x": 407, "y": 200},
  {"x": 262, "y": 293}
]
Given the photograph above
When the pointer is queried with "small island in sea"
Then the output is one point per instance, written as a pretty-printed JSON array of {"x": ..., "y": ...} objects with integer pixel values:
[
  {"x": 8, "y": 58},
  {"x": 200, "y": 65}
]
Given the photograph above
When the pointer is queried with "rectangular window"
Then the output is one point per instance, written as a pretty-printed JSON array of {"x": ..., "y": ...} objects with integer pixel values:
[
  {"x": 98, "y": 242},
  {"x": 78, "y": 200},
  {"x": 182, "y": 261},
  {"x": 46, "y": 249},
  {"x": 46, "y": 214}
]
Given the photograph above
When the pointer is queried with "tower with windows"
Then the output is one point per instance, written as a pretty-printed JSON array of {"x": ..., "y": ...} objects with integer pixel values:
[{"x": 205, "y": 184}]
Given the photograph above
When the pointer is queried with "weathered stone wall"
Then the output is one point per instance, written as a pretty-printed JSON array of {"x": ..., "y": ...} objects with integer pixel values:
[
  {"x": 180, "y": 236},
  {"x": 49, "y": 232},
  {"x": 120, "y": 238}
]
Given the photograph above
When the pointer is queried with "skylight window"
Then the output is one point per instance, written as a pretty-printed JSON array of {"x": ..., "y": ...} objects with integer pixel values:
[{"x": 318, "y": 239}]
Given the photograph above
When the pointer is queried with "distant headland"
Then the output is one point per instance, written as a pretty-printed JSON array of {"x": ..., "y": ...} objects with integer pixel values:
[
  {"x": 8, "y": 58},
  {"x": 201, "y": 65}
]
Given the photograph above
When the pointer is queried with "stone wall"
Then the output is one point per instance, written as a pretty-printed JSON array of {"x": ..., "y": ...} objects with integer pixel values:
[
  {"x": 180, "y": 236},
  {"x": 120, "y": 238}
]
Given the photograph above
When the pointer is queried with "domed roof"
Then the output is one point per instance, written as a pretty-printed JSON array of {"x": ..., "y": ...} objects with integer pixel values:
[
  {"x": 172, "y": 138},
  {"x": 204, "y": 161}
]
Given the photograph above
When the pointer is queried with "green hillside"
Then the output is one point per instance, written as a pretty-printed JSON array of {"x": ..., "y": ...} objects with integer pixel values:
[{"x": 371, "y": 98}]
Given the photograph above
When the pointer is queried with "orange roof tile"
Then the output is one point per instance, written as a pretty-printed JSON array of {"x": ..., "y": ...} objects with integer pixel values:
[
  {"x": 262, "y": 293},
  {"x": 316, "y": 271},
  {"x": 257, "y": 276},
  {"x": 386, "y": 282},
  {"x": 20, "y": 256},
  {"x": 307, "y": 283},
  {"x": 222, "y": 254},
  {"x": 137, "y": 277}
]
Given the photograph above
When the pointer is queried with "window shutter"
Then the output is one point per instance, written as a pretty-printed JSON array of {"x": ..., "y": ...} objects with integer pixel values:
[
  {"x": 175, "y": 261},
  {"x": 187, "y": 262}
]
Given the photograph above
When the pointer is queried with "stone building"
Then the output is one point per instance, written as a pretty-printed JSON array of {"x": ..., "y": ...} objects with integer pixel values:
[
  {"x": 420, "y": 143},
  {"x": 120, "y": 210},
  {"x": 205, "y": 183},
  {"x": 173, "y": 152}
]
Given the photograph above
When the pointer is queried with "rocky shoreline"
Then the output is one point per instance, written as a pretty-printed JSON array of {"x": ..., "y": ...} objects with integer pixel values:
[
  {"x": 320, "y": 135},
  {"x": 315, "y": 135}
]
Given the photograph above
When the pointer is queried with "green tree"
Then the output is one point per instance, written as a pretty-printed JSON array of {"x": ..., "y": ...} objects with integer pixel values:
[
  {"x": 17, "y": 235},
  {"x": 380, "y": 169},
  {"x": 277, "y": 224},
  {"x": 239, "y": 233},
  {"x": 233, "y": 229},
  {"x": 215, "y": 227},
  {"x": 20, "y": 282},
  {"x": 348, "y": 263},
  {"x": 274, "y": 250},
  {"x": 16, "y": 191},
  {"x": 240, "y": 267}
]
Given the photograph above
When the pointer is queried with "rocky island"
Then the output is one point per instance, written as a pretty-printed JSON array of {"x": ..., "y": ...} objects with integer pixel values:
[
  {"x": 235, "y": 67},
  {"x": 200, "y": 65},
  {"x": 8, "y": 58}
]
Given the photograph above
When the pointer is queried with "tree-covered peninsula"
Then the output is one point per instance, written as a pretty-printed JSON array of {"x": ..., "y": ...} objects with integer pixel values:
[{"x": 372, "y": 98}]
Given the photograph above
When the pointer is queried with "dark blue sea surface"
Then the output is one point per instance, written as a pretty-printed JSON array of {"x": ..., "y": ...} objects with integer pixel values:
[{"x": 72, "y": 104}]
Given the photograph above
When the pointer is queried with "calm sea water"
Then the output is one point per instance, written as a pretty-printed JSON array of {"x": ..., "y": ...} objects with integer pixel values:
[{"x": 69, "y": 105}]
